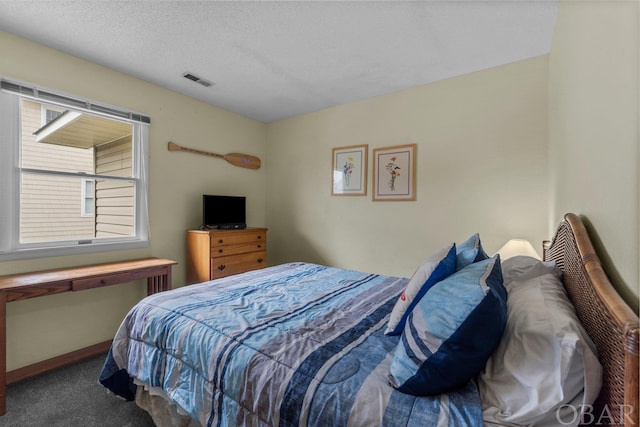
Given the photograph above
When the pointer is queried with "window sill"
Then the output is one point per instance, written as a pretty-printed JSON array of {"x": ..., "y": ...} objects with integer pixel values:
[{"x": 75, "y": 249}]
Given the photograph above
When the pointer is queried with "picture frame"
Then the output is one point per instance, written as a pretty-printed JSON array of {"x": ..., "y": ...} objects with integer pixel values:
[
  {"x": 349, "y": 170},
  {"x": 394, "y": 173}
]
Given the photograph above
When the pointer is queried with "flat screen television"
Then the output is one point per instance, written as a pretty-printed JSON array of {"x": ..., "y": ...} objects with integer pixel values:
[{"x": 224, "y": 212}]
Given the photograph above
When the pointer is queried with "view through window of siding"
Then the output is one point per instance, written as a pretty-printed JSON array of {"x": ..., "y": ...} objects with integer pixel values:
[{"x": 56, "y": 160}]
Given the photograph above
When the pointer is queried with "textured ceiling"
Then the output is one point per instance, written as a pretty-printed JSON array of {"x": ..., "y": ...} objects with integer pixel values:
[{"x": 272, "y": 60}]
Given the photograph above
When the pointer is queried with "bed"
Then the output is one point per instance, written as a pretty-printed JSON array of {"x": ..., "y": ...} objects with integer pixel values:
[{"x": 305, "y": 344}]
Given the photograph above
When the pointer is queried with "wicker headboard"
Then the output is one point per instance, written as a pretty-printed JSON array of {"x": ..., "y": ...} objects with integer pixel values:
[{"x": 609, "y": 321}]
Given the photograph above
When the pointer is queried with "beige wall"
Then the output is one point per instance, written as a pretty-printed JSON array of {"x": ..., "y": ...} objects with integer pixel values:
[
  {"x": 593, "y": 129},
  {"x": 482, "y": 158},
  {"x": 45, "y": 327}
]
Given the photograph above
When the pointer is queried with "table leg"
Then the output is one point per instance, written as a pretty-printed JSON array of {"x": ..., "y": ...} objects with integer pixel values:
[
  {"x": 3, "y": 353},
  {"x": 167, "y": 280}
]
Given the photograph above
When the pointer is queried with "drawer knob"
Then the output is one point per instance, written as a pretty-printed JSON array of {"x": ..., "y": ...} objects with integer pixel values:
[
  {"x": 221, "y": 241},
  {"x": 259, "y": 237},
  {"x": 260, "y": 260},
  {"x": 220, "y": 250},
  {"x": 259, "y": 246},
  {"x": 222, "y": 267}
]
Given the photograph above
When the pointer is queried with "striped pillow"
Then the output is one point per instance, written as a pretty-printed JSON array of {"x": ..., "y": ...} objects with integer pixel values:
[
  {"x": 435, "y": 268},
  {"x": 452, "y": 331}
]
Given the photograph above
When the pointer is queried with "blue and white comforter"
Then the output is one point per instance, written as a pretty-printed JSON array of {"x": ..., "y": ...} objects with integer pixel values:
[{"x": 296, "y": 344}]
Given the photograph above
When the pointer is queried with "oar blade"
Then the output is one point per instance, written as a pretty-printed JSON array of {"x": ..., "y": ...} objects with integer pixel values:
[
  {"x": 172, "y": 146},
  {"x": 242, "y": 160}
]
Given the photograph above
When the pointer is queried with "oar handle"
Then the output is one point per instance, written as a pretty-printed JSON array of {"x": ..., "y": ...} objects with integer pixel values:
[{"x": 175, "y": 147}]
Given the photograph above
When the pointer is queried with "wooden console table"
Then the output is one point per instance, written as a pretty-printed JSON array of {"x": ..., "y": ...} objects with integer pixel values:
[{"x": 18, "y": 287}]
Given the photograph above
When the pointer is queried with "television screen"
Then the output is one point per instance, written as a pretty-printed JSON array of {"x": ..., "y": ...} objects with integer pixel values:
[{"x": 224, "y": 211}]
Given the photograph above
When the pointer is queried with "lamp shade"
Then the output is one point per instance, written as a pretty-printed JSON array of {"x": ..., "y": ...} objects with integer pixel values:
[{"x": 516, "y": 247}]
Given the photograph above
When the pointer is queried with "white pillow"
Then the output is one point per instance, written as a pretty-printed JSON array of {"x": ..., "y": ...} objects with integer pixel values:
[
  {"x": 520, "y": 268},
  {"x": 545, "y": 360},
  {"x": 432, "y": 270}
]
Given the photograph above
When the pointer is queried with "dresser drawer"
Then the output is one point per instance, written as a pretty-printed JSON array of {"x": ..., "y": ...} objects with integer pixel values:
[
  {"x": 235, "y": 264},
  {"x": 240, "y": 248},
  {"x": 235, "y": 238}
]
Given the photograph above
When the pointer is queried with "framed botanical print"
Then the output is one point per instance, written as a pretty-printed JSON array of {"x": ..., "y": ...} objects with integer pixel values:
[
  {"x": 394, "y": 173},
  {"x": 349, "y": 171}
]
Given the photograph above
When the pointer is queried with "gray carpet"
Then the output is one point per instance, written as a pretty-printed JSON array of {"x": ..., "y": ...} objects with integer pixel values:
[{"x": 70, "y": 397}]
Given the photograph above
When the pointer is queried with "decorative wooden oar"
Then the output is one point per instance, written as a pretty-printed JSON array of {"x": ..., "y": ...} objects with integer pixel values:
[{"x": 236, "y": 159}]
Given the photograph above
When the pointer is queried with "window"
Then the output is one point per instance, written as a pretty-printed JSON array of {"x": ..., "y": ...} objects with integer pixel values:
[
  {"x": 88, "y": 197},
  {"x": 73, "y": 175}
]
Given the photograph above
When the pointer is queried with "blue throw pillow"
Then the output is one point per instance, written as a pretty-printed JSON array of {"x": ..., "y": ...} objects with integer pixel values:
[
  {"x": 435, "y": 268},
  {"x": 470, "y": 251},
  {"x": 452, "y": 331}
]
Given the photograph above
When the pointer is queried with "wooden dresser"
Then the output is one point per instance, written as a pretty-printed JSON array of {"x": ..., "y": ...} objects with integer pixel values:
[{"x": 212, "y": 254}]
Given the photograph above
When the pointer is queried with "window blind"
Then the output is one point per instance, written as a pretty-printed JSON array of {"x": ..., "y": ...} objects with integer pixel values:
[{"x": 41, "y": 94}]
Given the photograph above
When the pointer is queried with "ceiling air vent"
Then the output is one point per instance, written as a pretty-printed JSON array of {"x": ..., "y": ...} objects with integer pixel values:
[{"x": 199, "y": 80}]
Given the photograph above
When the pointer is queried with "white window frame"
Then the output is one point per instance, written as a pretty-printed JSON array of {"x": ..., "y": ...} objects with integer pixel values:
[
  {"x": 83, "y": 201},
  {"x": 11, "y": 91}
]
